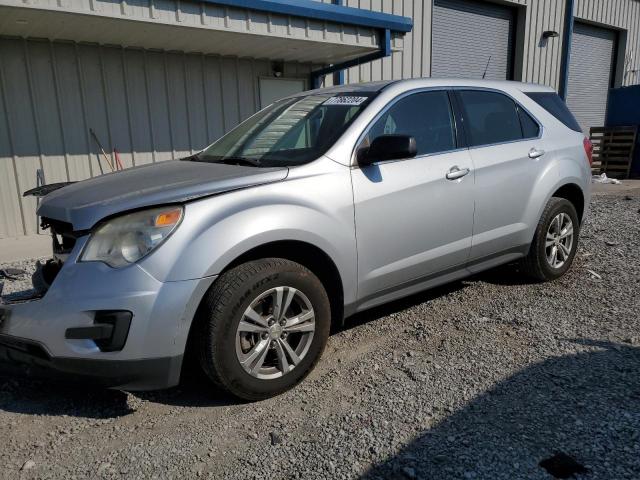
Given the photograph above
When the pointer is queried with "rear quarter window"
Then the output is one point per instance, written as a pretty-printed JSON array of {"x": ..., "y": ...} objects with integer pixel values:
[
  {"x": 553, "y": 104},
  {"x": 530, "y": 128}
]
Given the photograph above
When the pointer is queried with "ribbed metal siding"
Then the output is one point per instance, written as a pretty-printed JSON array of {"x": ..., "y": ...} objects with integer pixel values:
[
  {"x": 469, "y": 36},
  {"x": 414, "y": 56},
  {"x": 540, "y": 60},
  {"x": 188, "y": 26},
  {"x": 623, "y": 14},
  {"x": 413, "y": 59},
  {"x": 149, "y": 105},
  {"x": 592, "y": 54}
]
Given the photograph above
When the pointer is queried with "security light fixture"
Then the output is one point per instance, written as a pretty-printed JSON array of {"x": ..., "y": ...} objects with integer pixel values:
[
  {"x": 277, "y": 68},
  {"x": 550, "y": 34}
]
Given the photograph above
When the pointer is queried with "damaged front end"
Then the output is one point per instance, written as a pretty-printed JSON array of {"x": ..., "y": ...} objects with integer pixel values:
[
  {"x": 99, "y": 310},
  {"x": 63, "y": 239},
  {"x": 89, "y": 323}
]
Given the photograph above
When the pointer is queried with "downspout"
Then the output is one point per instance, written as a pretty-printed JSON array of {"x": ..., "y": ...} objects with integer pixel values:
[
  {"x": 338, "y": 77},
  {"x": 385, "y": 51},
  {"x": 566, "y": 49}
]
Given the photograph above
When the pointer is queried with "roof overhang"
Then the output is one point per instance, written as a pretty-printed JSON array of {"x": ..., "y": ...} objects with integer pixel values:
[
  {"x": 326, "y": 12},
  {"x": 288, "y": 30}
]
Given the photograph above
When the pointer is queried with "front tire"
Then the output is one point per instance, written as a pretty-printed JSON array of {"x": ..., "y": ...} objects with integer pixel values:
[
  {"x": 264, "y": 326},
  {"x": 555, "y": 242}
]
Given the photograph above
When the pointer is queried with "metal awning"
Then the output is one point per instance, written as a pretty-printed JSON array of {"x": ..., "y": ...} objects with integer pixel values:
[{"x": 288, "y": 30}]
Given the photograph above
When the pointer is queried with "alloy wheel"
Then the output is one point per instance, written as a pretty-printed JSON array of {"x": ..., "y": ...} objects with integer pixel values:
[
  {"x": 275, "y": 333},
  {"x": 559, "y": 240}
]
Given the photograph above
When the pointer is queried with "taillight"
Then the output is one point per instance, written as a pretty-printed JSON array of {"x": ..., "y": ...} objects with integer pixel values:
[{"x": 588, "y": 149}]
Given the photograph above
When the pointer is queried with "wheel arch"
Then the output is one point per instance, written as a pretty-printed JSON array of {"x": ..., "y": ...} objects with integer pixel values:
[
  {"x": 574, "y": 194},
  {"x": 309, "y": 256},
  {"x": 304, "y": 253}
]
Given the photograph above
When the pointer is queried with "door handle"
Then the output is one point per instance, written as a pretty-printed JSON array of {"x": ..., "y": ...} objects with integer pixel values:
[
  {"x": 535, "y": 153},
  {"x": 456, "y": 172}
]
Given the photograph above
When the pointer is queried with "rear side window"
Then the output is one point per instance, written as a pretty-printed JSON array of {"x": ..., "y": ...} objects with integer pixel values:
[
  {"x": 489, "y": 118},
  {"x": 553, "y": 104},
  {"x": 530, "y": 129},
  {"x": 426, "y": 116}
]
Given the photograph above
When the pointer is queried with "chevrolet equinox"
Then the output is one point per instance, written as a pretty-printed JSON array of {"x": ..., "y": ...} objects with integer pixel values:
[{"x": 321, "y": 205}]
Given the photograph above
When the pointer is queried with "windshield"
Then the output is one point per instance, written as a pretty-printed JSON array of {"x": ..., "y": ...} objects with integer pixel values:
[{"x": 289, "y": 132}]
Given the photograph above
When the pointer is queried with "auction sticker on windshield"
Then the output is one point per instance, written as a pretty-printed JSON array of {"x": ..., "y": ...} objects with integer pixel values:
[{"x": 349, "y": 101}]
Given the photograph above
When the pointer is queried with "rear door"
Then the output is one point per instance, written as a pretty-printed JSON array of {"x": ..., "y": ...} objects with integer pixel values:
[
  {"x": 507, "y": 151},
  {"x": 412, "y": 221}
]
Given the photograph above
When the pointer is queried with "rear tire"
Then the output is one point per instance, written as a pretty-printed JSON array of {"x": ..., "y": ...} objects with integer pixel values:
[
  {"x": 285, "y": 315},
  {"x": 555, "y": 242}
]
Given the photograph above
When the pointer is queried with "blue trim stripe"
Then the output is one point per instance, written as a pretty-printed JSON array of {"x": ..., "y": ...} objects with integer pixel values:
[
  {"x": 325, "y": 12},
  {"x": 566, "y": 49}
]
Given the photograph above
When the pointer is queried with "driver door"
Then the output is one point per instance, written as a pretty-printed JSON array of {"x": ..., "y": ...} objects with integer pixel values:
[{"x": 413, "y": 223}]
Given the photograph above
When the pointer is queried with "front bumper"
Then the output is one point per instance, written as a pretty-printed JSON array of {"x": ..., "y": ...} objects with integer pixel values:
[
  {"x": 33, "y": 336},
  {"x": 25, "y": 358}
]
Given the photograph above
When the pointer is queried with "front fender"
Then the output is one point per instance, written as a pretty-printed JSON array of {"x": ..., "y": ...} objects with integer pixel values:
[
  {"x": 215, "y": 231},
  {"x": 237, "y": 234}
]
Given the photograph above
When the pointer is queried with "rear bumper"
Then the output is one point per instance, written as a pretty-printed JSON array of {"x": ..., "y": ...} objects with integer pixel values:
[{"x": 25, "y": 358}]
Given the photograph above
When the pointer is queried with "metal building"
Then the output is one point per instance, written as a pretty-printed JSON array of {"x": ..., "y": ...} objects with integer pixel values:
[
  {"x": 579, "y": 47},
  {"x": 154, "y": 79},
  {"x": 160, "y": 79}
]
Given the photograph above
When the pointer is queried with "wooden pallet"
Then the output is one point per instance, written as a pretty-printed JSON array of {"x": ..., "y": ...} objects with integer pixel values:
[{"x": 613, "y": 150}]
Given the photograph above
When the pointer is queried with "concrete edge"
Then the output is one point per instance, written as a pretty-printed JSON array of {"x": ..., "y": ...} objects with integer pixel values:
[{"x": 22, "y": 248}]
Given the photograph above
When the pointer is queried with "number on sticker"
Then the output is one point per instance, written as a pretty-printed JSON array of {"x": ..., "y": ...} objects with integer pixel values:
[{"x": 349, "y": 101}]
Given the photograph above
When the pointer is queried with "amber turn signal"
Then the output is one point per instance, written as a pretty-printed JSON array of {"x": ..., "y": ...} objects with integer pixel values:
[{"x": 168, "y": 218}]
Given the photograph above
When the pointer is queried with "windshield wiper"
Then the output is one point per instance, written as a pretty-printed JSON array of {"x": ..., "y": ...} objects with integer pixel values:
[{"x": 238, "y": 161}]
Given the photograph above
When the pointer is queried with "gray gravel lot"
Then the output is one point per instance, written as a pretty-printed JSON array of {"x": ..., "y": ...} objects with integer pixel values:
[{"x": 481, "y": 379}]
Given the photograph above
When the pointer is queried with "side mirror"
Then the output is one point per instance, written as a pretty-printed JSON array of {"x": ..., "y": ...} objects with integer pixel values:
[{"x": 388, "y": 147}]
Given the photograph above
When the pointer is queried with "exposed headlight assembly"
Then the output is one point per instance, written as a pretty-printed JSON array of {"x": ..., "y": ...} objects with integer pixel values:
[{"x": 125, "y": 240}]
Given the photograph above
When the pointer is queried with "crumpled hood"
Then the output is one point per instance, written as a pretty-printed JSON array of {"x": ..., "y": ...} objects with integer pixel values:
[{"x": 85, "y": 203}]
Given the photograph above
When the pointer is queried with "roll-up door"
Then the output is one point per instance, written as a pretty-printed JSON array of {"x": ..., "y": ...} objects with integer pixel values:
[
  {"x": 467, "y": 35},
  {"x": 590, "y": 71}
]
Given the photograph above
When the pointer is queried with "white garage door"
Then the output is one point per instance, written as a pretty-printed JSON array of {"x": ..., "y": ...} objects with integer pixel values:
[
  {"x": 590, "y": 71},
  {"x": 467, "y": 35}
]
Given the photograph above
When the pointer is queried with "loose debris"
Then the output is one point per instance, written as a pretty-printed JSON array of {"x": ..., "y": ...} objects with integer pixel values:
[
  {"x": 275, "y": 438},
  {"x": 594, "y": 274},
  {"x": 602, "y": 178},
  {"x": 11, "y": 273}
]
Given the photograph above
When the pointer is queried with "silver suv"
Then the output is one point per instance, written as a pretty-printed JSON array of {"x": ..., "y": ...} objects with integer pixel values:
[{"x": 321, "y": 205}]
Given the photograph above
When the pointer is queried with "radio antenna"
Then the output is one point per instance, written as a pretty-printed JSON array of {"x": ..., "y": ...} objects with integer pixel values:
[{"x": 486, "y": 68}]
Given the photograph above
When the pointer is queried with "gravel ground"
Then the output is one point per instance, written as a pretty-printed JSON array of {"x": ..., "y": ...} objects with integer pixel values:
[{"x": 481, "y": 379}]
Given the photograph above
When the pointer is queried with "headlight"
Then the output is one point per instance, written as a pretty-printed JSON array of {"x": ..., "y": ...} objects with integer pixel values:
[{"x": 126, "y": 239}]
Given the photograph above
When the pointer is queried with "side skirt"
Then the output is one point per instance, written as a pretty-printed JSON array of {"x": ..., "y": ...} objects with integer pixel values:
[{"x": 436, "y": 279}]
